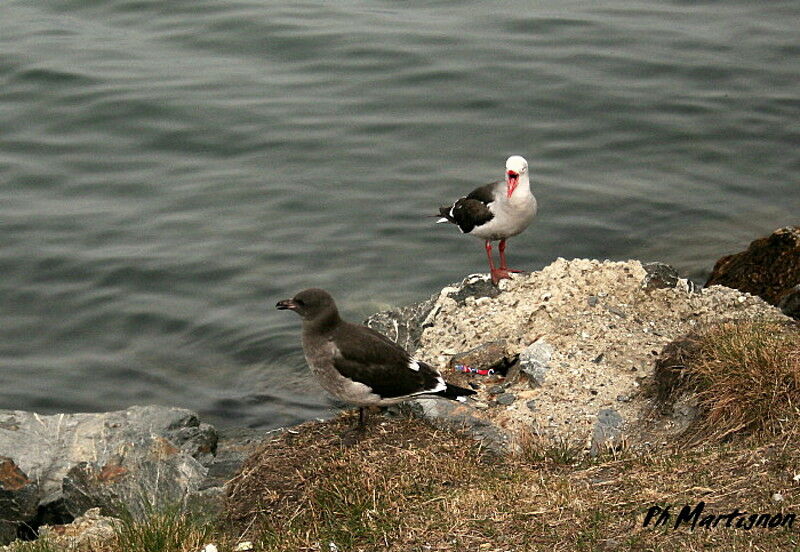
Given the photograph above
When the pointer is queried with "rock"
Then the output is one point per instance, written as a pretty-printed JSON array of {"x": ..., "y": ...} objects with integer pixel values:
[
  {"x": 790, "y": 303},
  {"x": 405, "y": 325},
  {"x": 402, "y": 325},
  {"x": 488, "y": 356},
  {"x": 150, "y": 474},
  {"x": 475, "y": 285},
  {"x": 607, "y": 434},
  {"x": 19, "y": 499},
  {"x": 455, "y": 416},
  {"x": 614, "y": 310},
  {"x": 659, "y": 276},
  {"x": 496, "y": 390},
  {"x": 91, "y": 530},
  {"x": 534, "y": 362},
  {"x": 670, "y": 366},
  {"x": 544, "y": 317},
  {"x": 506, "y": 399},
  {"x": 531, "y": 404},
  {"x": 769, "y": 267},
  {"x": 80, "y": 461},
  {"x": 235, "y": 446}
]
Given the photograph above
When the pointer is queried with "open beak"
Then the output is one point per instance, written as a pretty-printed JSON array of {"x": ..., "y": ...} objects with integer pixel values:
[
  {"x": 286, "y": 304},
  {"x": 512, "y": 179}
]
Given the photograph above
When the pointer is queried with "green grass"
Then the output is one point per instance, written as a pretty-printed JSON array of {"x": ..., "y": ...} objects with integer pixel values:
[{"x": 167, "y": 529}]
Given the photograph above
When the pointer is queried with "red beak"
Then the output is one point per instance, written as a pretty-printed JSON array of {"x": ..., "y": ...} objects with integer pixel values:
[{"x": 512, "y": 179}]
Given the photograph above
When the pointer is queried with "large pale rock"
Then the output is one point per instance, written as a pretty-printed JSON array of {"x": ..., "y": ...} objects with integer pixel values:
[
  {"x": 587, "y": 334},
  {"x": 53, "y": 468}
]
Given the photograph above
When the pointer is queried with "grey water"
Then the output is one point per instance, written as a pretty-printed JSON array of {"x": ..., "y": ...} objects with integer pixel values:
[{"x": 170, "y": 170}]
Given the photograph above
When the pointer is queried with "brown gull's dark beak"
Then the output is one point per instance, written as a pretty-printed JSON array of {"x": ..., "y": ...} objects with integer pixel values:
[{"x": 286, "y": 304}]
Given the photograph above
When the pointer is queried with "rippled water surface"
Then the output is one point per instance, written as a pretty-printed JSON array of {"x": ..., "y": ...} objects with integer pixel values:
[{"x": 170, "y": 170}]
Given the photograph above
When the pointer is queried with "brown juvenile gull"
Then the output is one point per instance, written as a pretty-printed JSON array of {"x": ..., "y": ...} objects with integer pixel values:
[
  {"x": 496, "y": 211},
  {"x": 358, "y": 365}
]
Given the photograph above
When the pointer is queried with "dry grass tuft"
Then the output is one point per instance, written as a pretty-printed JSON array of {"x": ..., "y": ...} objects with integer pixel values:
[
  {"x": 746, "y": 374},
  {"x": 536, "y": 449},
  {"x": 308, "y": 486}
]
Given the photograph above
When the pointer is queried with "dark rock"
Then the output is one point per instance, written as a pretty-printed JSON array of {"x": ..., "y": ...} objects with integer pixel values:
[
  {"x": 790, "y": 303},
  {"x": 531, "y": 404},
  {"x": 614, "y": 310},
  {"x": 534, "y": 362},
  {"x": 18, "y": 499},
  {"x": 607, "y": 434},
  {"x": 506, "y": 399},
  {"x": 592, "y": 300},
  {"x": 496, "y": 390},
  {"x": 195, "y": 439},
  {"x": 142, "y": 454},
  {"x": 671, "y": 368},
  {"x": 476, "y": 286},
  {"x": 769, "y": 267},
  {"x": 659, "y": 275}
]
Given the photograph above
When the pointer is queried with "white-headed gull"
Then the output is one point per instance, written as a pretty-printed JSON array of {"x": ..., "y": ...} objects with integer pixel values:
[{"x": 496, "y": 211}]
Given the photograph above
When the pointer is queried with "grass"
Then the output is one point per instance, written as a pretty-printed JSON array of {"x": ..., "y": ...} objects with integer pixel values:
[
  {"x": 746, "y": 376},
  {"x": 538, "y": 449},
  {"x": 38, "y": 545},
  {"x": 168, "y": 529},
  {"x": 405, "y": 486},
  {"x": 408, "y": 487}
]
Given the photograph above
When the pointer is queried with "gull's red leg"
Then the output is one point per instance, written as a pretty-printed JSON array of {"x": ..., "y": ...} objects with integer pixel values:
[
  {"x": 489, "y": 255},
  {"x": 503, "y": 254},
  {"x": 497, "y": 273},
  {"x": 503, "y": 265}
]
